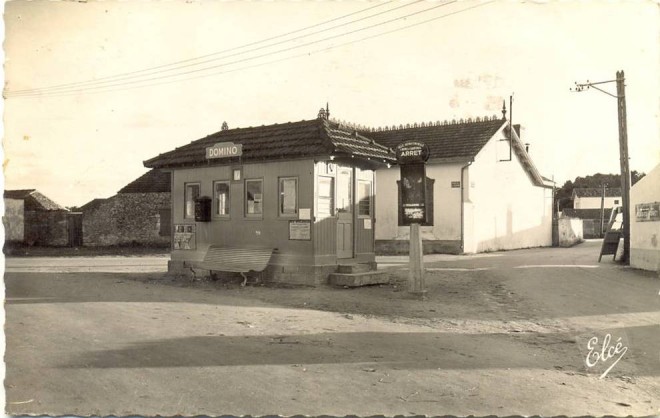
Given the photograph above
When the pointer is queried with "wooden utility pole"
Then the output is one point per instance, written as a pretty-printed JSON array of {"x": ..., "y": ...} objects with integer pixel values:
[
  {"x": 602, "y": 211},
  {"x": 623, "y": 152},
  {"x": 625, "y": 169}
]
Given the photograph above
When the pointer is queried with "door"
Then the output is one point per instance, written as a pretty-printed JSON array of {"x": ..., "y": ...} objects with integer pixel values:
[
  {"x": 74, "y": 224},
  {"x": 344, "y": 212}
]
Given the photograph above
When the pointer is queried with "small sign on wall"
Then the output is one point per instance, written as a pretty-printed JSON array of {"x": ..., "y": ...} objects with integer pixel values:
[
  {"x": 305, "y": 213},
  {"x": 367, "y": 224},
  {"x": 647, "y": 212},
  {"x": 455, "y": 184},
  {"x": 300, "y": 230},
  {"x": 184, "y": 237}
]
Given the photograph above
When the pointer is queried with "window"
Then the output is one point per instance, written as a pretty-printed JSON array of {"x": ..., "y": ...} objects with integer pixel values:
[
  {"x": 326, "y": 196},
  {"x": 191, "y": 194},
  {"x": 288, "y": 196},
  {"x": 254, "y": 197},
  {"x": 364, "y": 198},
  {"x": 221, "y": 198}
]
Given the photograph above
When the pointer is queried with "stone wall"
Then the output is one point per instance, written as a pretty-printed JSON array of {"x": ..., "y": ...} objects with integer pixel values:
[
  {"x": 13, "y": 220},
  {"x": 47, "y": 228},
  {"x": 126, "y": 219}
]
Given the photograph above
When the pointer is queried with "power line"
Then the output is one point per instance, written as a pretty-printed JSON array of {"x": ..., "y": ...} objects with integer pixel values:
[
  {"x": 108, "y": 89},
  {"x": 121, "y": 83},
  {"x": 163, "y": 67}
]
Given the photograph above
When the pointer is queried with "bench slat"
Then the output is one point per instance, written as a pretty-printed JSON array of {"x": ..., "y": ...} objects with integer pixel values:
[{"x": 237, "y": 260}]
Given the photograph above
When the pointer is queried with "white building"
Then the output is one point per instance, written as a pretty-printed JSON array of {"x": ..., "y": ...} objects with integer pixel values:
[
  {"x": 645, "y": 222},
  {"x": 590, "y": 197},
  {"x": 487, "y": 194}
]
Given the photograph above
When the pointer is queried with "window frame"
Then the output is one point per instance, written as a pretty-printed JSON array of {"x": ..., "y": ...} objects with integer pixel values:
[
  {"x": 330, "y": 198},
  {"x": 185, "y": 198},
  {"x": 280, "y": 197},
  {"x": 370, "y": 198},
  {"x": 216, "y": 206},
  {"x": 245, "y": 198}
]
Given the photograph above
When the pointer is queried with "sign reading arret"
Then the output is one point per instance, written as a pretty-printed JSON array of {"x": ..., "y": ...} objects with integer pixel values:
[
  {"x": 224, "y": 150},
  {"x": 411, "y": 152}
]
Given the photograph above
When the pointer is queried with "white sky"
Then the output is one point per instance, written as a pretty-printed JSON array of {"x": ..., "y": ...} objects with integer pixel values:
[{"x": 81, "y": 146}]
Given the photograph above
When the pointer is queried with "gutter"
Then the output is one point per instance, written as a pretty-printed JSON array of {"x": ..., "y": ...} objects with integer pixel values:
[{"x": 462, "y": 206}]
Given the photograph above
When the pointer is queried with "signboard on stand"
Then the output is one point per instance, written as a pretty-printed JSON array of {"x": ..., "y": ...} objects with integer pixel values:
[{"x": 412, "y": 157}]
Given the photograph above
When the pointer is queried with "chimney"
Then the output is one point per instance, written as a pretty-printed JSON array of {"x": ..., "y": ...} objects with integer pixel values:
[{"x": 527, "y": 147}]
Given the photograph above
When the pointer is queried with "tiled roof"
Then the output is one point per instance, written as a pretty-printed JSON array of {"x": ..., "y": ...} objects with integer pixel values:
[
  {"x": 451, "y": 140},
  {"x": 153, "y": 181},
  {"x": 34, "y": 200},
  {"x": 596, "y": 192},
  {"x": 18, "y": 194},
  {"x": 274, "y": 142},
  {"x": 91, "y": 205},
  {"x": 585, "y": 213}
]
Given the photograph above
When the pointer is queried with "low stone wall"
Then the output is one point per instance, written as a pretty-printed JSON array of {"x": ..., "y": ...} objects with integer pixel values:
[
  {"x": 46, "y": 228},
  {"x": 570, "y": 232},
  {"x": 126, "y": 219}
]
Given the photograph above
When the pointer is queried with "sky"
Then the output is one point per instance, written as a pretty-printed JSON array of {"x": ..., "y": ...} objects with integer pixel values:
[{"x": 374, "y": 63}]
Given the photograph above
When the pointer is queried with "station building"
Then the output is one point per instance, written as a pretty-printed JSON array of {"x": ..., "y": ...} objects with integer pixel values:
[{"x": 304, "y": 190}]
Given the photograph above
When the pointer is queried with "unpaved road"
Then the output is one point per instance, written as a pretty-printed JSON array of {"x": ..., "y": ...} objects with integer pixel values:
[{"x": 502, "y": 333}]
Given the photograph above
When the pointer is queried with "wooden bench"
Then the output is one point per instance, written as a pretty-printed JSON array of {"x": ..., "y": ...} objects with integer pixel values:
[{"x": 234, "y": 260}]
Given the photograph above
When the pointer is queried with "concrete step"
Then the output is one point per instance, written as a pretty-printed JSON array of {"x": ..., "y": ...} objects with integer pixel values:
[
  {"x": 354, "y": 268},
  {"x": 358, "y": 279}
]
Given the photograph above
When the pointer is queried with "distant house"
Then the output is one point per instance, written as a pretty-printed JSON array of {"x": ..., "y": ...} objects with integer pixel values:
[
  {"x": 33, "y": 219},
  {"x": 587, "y": 203},
  {"x": 485, "y": 191},
  {"x": 139, "y": 214},
  {"x": 590, "y": 197}
]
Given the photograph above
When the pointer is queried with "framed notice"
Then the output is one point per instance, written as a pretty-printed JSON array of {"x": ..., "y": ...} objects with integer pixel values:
[
  {"x": 300, "y": 230},
  {"x": 647, "y": 212},
  {"x": 184, "y": 237}
]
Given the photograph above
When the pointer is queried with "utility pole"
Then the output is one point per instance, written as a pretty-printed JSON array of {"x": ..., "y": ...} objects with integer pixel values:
[
  {"x": 602, "y": 211},
  {"x": 625, "y": 169},
  {"x": 623, "y": 151}
]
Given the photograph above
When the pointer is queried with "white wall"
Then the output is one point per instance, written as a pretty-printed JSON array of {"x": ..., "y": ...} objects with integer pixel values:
[
  {"x": 645, "y": 236},
  {"x": 594, "y": 202},
  {"x": 446, "y": 211},
  {"x": 570, "y": 231},
  {"x": 504, "y": 209}
]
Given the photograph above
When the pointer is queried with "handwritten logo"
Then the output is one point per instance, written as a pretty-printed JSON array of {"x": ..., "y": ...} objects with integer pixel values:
[{"x": 605, "y": 353}]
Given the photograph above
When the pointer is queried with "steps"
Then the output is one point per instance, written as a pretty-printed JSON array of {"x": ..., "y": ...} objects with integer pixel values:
[{"x": 355, "y": 275}]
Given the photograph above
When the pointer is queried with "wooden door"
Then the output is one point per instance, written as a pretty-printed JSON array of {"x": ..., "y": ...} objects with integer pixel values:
[
  {"x": 344, "y": 212},
  {"x": 74, "y": 224}
]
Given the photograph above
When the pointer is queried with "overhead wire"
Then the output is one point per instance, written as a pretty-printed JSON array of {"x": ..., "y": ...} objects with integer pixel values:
[
  {"x": 121, "y": 83},
  {"x": 110, "y": 89},
  {"x": 148, "y": 69}
]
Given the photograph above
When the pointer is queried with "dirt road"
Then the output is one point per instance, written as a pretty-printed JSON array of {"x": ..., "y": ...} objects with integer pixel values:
[{"x": 501, "y": 333}]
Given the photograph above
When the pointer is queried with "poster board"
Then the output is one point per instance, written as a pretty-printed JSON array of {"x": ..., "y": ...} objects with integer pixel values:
[
  {"x": 300, "y": 230},
  {"x": 184, "y": 237}
]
